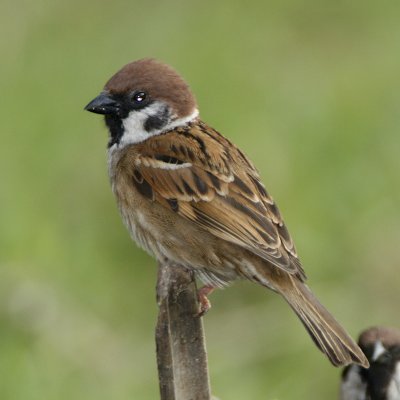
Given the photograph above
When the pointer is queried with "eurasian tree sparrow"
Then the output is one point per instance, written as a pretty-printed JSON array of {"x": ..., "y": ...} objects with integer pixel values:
[
  {"x": 381, "y": 381},
  {"x": 190, "y": 197}
]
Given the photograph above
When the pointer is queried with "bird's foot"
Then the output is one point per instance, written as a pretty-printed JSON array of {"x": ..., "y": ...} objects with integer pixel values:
[{"x": 204, "y": 303}]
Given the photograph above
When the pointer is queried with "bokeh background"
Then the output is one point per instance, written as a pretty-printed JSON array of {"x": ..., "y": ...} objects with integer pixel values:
[{"x": 309, "y": 90}]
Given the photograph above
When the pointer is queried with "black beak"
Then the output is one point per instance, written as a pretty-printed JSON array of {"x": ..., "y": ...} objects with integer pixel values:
[{"x": 103, "y": 104}]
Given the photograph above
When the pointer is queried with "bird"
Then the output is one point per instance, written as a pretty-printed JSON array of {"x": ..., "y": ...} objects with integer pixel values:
[
  {"x": 191, "y": 198},
  {"x": 381, "y": 381}
]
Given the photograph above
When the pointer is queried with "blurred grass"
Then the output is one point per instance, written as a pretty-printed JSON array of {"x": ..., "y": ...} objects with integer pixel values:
[{"x": 310, "y": 91}]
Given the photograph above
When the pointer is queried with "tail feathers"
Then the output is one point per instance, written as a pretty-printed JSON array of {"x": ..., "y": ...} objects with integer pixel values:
[{"x": 325, "y": 331}]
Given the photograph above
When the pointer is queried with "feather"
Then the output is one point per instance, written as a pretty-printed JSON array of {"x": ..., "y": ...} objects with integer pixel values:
[{"x": 204, "y": 178}]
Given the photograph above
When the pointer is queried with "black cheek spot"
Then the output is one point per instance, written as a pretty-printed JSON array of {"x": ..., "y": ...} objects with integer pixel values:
[
  {"x": 153, "y": 123},
  {"x": 158, "y": 121}
]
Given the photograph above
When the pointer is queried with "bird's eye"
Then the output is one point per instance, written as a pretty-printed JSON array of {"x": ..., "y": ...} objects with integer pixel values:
[{"x": 139, "y": 98}]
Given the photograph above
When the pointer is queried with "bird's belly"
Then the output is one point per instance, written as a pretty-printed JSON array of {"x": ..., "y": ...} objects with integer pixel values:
[
  {"x": 144, "y": 233},
  {"x": 215, "y": 261},
  {"x": 177, "y": 240}
]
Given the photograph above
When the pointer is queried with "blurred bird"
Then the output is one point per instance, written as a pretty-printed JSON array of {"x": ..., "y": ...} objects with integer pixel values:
[
  {"x": 382, "y": 380},
  {"x": 190, "y": 197}
]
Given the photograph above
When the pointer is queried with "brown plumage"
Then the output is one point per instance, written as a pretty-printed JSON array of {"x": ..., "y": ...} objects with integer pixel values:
[
  {"x": 388, "y": 337},
  {"x": 191, "y": 197},
  {"x": 145, "y": 75}
]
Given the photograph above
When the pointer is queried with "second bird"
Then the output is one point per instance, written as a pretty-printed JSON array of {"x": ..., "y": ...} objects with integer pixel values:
[{"x": 190, "y": 197}]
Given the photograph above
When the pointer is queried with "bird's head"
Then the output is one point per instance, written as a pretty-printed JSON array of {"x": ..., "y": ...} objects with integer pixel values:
[{"x": 143, "y": 99}]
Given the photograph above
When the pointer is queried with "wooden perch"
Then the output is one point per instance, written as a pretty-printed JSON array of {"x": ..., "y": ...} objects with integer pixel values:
[{"x": 181, "y": 353}]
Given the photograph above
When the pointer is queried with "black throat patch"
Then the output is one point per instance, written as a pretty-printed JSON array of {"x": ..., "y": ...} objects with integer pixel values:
[
  {"x": 114, "y": 124},
  {"x": 381, "y": 373}
]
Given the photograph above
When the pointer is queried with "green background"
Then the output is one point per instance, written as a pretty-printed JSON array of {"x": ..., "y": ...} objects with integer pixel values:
[{"x": 309, "y": 90}]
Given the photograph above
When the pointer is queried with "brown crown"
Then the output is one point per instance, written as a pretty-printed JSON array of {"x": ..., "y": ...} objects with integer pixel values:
[
  {"x": 388, "y": 336},
  {"x": 158, "y": 80}
]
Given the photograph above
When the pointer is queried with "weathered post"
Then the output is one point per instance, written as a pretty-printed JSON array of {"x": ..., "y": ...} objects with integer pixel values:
[{"x": 181, "y": 353}]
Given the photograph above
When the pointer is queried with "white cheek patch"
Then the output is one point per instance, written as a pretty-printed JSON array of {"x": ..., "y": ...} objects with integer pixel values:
[
  {"x": 393, "y": 392},
  {"x": 134, "y": 131},
  {"x": 133, "y": 124},
  {"x": 378, "y": 350},
  {"x": 181, "y": 121}
]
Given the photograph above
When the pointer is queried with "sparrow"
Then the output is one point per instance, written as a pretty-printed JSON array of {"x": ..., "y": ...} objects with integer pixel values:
[
  {"x": 190, "y": 197},
  {"x": 381, "y": 381}
]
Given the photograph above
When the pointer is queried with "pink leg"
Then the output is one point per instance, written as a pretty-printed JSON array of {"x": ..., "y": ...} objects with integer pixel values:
[{"x": 204, "y": 303}]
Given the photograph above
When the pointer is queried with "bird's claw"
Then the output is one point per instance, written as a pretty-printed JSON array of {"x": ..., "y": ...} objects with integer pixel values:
[{"x": 204, "y": 302}]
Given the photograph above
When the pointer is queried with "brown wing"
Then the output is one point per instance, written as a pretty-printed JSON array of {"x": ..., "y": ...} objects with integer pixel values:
[{"x": 203, "y": 177}]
